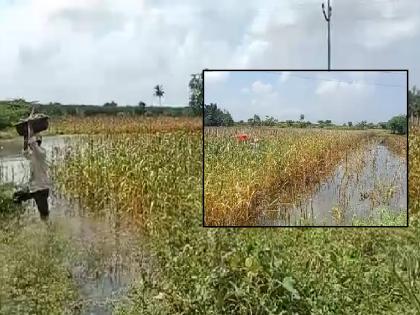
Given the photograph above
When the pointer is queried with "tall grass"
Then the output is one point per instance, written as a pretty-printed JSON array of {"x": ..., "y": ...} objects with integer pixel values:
[{"x": 414, "y": 169}]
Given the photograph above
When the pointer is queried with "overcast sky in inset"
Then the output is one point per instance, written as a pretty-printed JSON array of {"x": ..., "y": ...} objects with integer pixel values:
[
  {"x": 94, "y": 51},
  {"x": 337, "y": 96}
]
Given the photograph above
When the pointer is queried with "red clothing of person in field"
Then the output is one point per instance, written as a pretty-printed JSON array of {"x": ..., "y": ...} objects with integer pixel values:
[{"x": 242, "y": 137}]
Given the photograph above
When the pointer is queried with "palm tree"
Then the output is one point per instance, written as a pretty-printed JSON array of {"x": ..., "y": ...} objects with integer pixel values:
[{"x": 159, "y": 93}]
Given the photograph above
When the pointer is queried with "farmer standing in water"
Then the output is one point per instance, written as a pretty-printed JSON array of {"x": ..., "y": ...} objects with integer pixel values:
[{"x": 39, "y": 183}]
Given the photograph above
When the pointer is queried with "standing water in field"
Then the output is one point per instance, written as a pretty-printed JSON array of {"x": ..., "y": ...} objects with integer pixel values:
[
  {"x": 363, "y": 185},
  {"x": 14, "y": 168},
  {"x": 103, "y": 263}
]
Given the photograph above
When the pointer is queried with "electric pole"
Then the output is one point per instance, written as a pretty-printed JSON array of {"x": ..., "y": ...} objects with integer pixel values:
[{"x": 327, "y": 17}]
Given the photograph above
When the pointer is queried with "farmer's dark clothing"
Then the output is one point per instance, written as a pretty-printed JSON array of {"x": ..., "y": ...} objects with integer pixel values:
[{"x": 40, "y": 197}]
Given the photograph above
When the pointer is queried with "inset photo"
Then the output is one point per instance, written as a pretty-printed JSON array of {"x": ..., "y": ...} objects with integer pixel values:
[{"x": 305, "y": 148}]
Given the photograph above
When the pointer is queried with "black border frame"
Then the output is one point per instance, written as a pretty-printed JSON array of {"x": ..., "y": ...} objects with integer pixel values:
[{"x": 304, "y": 226}]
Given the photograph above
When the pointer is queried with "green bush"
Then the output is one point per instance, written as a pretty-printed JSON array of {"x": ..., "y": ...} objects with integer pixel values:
[
  {"x": 398, "y": 124},
  {"x": 10, "y": 113},
  {"x": 7, "y": 206},
  {"x": 214, "y": 116}
]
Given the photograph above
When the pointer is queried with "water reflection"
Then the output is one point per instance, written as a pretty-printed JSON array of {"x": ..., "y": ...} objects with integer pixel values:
[
  {"x": 110, "y": 257},
  {"x": 14, "y": 168}
]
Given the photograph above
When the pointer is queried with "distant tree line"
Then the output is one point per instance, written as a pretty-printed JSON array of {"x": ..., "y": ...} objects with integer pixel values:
[
  {"x": 214, "y": 116},
  {"x": 12, "y": 111},
  {"x": 112, "y": 108},
  {"x": 397, "y": 124}
]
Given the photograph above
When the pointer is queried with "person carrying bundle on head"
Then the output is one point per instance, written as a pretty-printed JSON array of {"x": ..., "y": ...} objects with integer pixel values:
[{"x": 39, "y": 183}]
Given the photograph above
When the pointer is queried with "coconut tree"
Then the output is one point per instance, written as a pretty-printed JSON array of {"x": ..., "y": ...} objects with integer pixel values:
[{"x": 159, "y": 93}]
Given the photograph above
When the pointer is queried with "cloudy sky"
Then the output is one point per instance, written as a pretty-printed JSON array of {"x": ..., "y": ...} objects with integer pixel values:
[
  {"x": 93, "y": 51},
  {"x": 338, "y": 96}
]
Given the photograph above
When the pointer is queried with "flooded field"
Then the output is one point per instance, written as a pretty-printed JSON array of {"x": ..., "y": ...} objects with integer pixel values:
[
  {"x": 106, "y": 252},
  {"x": 117, "y": 188},
  {"x": 296, "y": 177},
  {"x": 365, "y": 183},
  {"x": 14, "y": 167},
  {"x": 87, "y": 263}
]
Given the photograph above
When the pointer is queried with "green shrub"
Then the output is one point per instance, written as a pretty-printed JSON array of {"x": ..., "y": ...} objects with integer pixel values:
[
  {"x": 398, "y": 124},
  {"x": 10, "y": 113},
  {"x": 7, "y": 206}
]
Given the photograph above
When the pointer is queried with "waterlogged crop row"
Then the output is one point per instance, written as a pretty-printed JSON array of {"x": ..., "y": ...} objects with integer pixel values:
[
  {"x": 397, "y": 144},
  {"x": 240, "y": 178},
  {"x": 132, "y": 174}
]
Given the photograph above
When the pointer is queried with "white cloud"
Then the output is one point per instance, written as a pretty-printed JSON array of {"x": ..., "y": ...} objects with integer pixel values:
[
  {"x": 267, "y": 17},
  {"x": 212, "y": 77},
  {"x": 326, "y": 87},
  {"x": 92, "y": 51},
  {"x": 383, "y": 33},
  {"x": 259, "y": 87},
  {"x": 284, "y": 76},
  {"x": 340, "y": 101},
  {"x": 329, "y": 87},
  {"x": 250, "y": 50},
  {"x": 268, "y": 104}
]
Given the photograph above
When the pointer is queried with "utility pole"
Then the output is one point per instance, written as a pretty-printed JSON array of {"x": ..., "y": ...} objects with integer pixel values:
[{"x": 327, "y": 17}]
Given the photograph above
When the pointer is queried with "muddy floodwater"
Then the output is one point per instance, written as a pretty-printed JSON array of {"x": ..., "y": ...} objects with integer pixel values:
[
  {"x": 14, "y": 168},
  {"x": 363, "y": 184},
  {"x": 111, "y": 261}
]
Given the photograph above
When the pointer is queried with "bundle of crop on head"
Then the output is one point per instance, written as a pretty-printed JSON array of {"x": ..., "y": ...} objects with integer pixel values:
[{"x": 39, "y": 122}]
